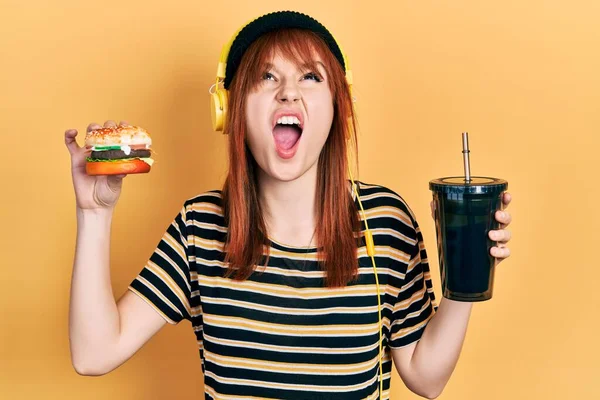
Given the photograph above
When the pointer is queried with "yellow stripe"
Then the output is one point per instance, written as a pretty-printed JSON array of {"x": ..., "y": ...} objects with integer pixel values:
[
  {"x": 175, "y": 266},
  {"x": 207, "y": 208},
  {"x": 287, "y": 291},
  {"x": 290, "y": 330},
  {"x": 378, "y": 195},
  {"x": 388, "y": 251},
  {"x": 207, "y": 244},
  {"x": 158, "y": 293},
  {"x": 388, "y": 211},
  {"x": 392, "y": 232},
  {"x": 144, "y": 298},
  {"x": 409, "y": 285},
  {"x": 407, "y": 331},
  {"x": 167, "y": 280},
  {"x": 175, "y": 245},
  {"x": 206, "y": 262},
  {"x": 367, "y": 186},
  {"x": 291, "y": 368},
  {"x": 295, "y": 256},
  {"x": 395, "y": 292},
  {"x": 289, "y": 349},
  {"x": 197, "y": 311},
  {"x": 365, "y": 270},
  {"x": 289, "y": 310},
  {"x": 207, "y": 226},
  {"x": 416, "y": 261},
  {"x": 283, "y": 386},
  {"x": 380, "y": 251},
  {"x": 412, "y": 299},
  {"x": 217, "y": 396}
]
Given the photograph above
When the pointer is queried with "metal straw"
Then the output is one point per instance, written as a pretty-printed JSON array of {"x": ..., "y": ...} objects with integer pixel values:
[
  {"x": 467, "y": 201},
  {"x": 465, "y": 141}
]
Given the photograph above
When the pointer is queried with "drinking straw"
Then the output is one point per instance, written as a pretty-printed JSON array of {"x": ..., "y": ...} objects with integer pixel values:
[
  {"x": 465, "y": 141},
  {"x": 467, "y": 198}
]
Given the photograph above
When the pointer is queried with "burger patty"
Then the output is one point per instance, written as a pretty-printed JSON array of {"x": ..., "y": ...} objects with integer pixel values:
[{"x": 118, "y": 154}]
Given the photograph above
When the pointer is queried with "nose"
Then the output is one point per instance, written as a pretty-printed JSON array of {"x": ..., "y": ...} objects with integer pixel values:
[{"x": 289, "y": 92}]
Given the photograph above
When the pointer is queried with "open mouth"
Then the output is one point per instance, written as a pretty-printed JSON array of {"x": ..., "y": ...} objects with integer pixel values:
[{"x": 287, "y": 132}]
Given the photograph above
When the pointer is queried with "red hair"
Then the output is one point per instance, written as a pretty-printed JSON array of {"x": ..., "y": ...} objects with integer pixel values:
[{"x": 338, "y": 225}]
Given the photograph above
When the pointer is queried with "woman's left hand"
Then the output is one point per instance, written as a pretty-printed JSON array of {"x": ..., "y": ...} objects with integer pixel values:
[{"x": 502, "y": 236}]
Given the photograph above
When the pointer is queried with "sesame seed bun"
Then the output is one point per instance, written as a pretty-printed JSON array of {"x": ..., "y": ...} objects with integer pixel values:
[{"x": 117, "y": 136}]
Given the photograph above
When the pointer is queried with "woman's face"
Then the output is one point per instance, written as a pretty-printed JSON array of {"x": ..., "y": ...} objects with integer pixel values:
[{"x": 288, "y": 118}]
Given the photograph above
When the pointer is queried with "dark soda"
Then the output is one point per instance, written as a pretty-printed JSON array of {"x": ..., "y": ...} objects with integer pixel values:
[{"x": 464, "y": 216}]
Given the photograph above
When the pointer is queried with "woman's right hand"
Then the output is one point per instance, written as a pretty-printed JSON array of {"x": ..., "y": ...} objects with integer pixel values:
[{"x": 92, "y": 192}]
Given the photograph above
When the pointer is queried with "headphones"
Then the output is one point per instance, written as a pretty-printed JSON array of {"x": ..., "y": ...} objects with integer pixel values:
[{"x": 218, "y": 111}]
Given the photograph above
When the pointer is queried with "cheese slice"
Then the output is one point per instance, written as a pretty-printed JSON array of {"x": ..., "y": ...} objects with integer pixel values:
[{"x": 147, "y": 160}]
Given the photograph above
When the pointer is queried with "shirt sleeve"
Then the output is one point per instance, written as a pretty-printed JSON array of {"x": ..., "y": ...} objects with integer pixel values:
[
  {"x": 164, "y": 282},
  {"x": 415, "y": 303}
]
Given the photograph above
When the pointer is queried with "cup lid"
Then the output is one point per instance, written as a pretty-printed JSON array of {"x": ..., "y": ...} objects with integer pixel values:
[{"x": 477, "y": 185}]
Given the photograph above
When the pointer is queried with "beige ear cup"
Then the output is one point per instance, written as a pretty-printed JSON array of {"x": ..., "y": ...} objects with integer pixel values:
[{"x": 218, "y": 109}]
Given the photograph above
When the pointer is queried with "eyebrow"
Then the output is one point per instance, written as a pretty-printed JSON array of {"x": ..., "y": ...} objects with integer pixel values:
[{"x": 304, "y": 66}]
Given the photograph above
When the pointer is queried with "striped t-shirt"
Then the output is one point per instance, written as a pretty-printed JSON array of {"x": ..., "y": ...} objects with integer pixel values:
[{"x": 282, "y": 334}]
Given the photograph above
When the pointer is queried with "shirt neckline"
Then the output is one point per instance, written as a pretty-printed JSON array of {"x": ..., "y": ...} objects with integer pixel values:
[{"x": 294, "y": 249}]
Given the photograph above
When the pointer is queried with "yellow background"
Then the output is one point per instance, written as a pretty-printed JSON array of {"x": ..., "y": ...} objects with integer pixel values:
[{"x": 522, "y": 77}]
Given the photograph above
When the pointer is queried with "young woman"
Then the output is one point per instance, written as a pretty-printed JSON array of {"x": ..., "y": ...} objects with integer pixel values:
[{"x": 272, "y": 270}]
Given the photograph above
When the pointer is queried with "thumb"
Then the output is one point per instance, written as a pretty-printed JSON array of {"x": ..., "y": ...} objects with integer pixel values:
[{"x": 70, "y": 141}]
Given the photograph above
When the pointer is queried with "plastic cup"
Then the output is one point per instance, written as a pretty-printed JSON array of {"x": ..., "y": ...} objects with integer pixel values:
[{"x": 464, "y": 216}]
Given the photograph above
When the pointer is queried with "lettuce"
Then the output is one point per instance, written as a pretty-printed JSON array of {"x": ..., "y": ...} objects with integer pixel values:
[
  {"x": 147, "y": 160},
  {"x": 89, "y": 159}
]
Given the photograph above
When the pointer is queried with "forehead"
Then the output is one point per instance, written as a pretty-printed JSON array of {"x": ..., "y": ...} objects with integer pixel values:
[{"x": 293, "y": 60}]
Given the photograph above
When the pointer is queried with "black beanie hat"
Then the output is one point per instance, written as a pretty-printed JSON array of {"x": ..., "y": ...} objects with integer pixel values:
[{"x": 270, "y": 22}]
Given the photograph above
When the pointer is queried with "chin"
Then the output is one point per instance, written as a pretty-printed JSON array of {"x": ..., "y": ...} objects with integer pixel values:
[{"x": 287, "y": 171}]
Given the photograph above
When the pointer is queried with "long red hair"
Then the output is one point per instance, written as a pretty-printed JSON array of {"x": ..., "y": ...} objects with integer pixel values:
[{"x": 338, "y": 225}]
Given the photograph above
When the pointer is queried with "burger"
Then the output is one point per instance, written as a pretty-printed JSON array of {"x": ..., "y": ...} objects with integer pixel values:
[{"x": 120, "y": 150}]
